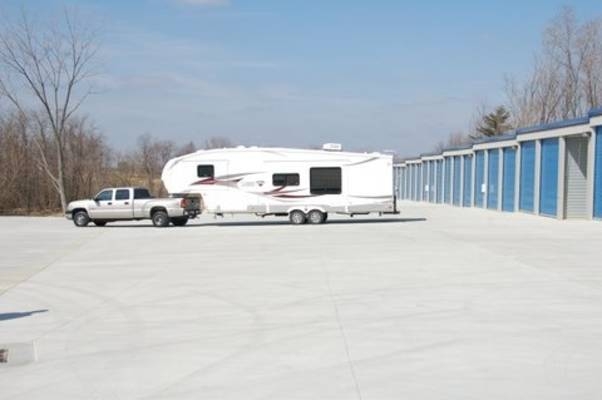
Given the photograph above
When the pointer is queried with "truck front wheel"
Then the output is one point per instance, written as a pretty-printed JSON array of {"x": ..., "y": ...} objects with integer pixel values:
[
  {"x": 179, "y": 221},
  {"x": 160, "y": 219},
  {"x": 81, "y": 219}
]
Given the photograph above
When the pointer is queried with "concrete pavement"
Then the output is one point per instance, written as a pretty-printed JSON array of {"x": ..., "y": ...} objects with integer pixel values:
[{"x": 439, "y": 303}]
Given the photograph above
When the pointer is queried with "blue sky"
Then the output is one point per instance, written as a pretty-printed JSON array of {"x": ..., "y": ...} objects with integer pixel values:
[{"x": 368, "y": 74}]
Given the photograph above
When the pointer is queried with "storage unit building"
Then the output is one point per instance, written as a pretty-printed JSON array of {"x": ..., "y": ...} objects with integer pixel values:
[
  {"x": 479, "y": 173},
  {"x": 455, "y": 181},
  {"x": 552, "y": 170},
  {"x": 468, "y": 180},
  {"x": 432, "y": 176},
  {"x": 496, "y": 177},
  {"x": 557, "y": 168},
  {"x": 596, "y": 124},
  {"x": 439, "y": 179}
]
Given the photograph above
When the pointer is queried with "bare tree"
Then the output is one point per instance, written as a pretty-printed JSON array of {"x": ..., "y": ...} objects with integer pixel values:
[
  {"x": 50, "y": 67},
  {"x": 187, "y": 148},
  {"x": 218, "y": 142},
  {"x": 453, "y": 140},
  {"x": 152, "y": 156},
  {"x": 566, "y": 79}
]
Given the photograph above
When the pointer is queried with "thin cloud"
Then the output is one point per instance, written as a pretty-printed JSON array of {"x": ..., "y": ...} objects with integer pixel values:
[{"x": 204, "y": 3}]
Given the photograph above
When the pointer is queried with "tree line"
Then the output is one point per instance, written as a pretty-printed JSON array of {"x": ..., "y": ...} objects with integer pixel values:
[
  {"x": 90, "y": 163},
  {"x": 51, "y": 154}
]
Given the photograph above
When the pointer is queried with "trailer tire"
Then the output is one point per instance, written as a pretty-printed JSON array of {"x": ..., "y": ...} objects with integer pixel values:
[
  {"x": 316, "y": 217},
  {"x": 297, "y": 217},
  {"x": 179, "y": 221},
  {"x": 160, "y": 219},
  {"x": 81, "y": 218},
  {"x": 100, "y": 223}
]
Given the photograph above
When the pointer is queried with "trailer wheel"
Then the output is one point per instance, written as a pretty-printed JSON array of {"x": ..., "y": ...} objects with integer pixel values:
[
  {"x": 179, "y": 221},
  {"x": 316, "y": 217},
  {"x": 81, "y": 218},
  {"x": 160, "y": 219},
  {"x": 297, "y": 217}
]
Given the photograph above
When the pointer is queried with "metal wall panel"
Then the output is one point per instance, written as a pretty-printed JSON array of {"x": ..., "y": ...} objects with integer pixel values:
[
  {"x": 527, "y": 176},
  {"x": 492, "y": 178},
  {"x": 508, "y": 179},
  {"x": 457, "y": 180},
  {"x": 479, "y": 178},
  {"x": 439, "y": 181},
  {"x": 467, "y": 181},
  {"x": 548, "y": 181},
  {"x": 575, "y": 196},
  {"x": 598, "y": 174},
  {"x": 447, "y": 183}
]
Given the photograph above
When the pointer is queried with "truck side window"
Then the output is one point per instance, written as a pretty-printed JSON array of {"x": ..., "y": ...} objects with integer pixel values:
[
  {"x": 140, "y": 193},
  {"x": 325, "y": 180},
  {"x": 204, "y": 171},
  {"x": 285, "y": 179},
  {"x": 122, "y": 194},
  {"x": 105, "y": 195}
]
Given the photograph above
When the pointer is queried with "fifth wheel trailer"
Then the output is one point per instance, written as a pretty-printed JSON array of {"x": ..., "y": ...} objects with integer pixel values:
[{"x": 305, "y": 185}]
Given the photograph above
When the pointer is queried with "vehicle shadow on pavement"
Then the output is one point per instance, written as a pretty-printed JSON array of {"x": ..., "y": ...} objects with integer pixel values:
[
  {"x": 273, "y": 222},
  {"x": 17, "y": 315},
  {"x": 330, "y": 222}
]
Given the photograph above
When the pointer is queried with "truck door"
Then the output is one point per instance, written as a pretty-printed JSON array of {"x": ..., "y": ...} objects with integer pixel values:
[
  {"x": 123, "y": 205},
  {"x": 102, "y": 205}
]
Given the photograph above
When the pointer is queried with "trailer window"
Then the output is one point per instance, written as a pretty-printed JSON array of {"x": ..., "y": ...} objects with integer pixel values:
[
  {"x": 141, "y": 193},
  {"x": 204, "y": 171},
  {"x": 325, "y": 180},
  {"x": 122, "y": 194},
  {"x": 285, "y": 179}
]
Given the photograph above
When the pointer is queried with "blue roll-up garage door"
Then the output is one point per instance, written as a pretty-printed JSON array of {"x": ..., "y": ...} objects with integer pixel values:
[
  {"x": 432, "y": 187},
  {"x": 457, "y": 180},
  {"x": 467, "y": 181},
  {"x": 527, "y": 176},
  {"x": 425, "y": 180},
  {"x": 447, "y": 186},
  {"x": 409, "y": 183},
  {"x": 509, "y": 174},
  {"x": 492, "y": 178},
  {"x": 479, "y": 178},
  {"x": 598, "y": 175},
  {"x": 415, "y": 183},
  {"x": 439, "y": 189},
  {"x": 549, "y": 177}
]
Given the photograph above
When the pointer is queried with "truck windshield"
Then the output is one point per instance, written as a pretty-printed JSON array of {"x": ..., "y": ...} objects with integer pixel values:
[{"x": 142, "y": 194}]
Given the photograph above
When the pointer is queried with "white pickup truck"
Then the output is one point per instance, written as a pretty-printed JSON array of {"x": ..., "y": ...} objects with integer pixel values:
[{"x": 133, "y": 203}]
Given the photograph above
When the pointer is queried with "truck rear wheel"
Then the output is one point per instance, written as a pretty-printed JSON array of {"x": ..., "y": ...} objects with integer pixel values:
[
  {"x": 297, "y": 217},
  {"x": 160, "y": 219},
  {"x": 179, "y": 221},
  {"x": 315, "y": 217},
  {"x": 81, "y": 219}
]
